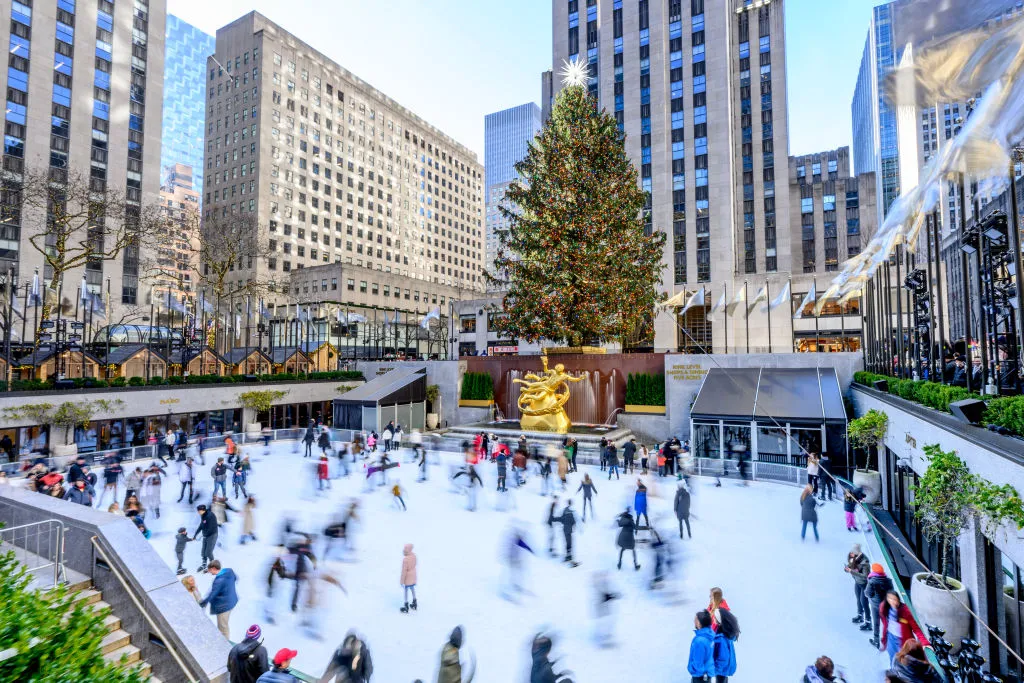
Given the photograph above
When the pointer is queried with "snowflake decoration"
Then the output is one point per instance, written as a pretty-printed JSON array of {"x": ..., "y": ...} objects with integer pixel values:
[{"x": 575, "y": 73}]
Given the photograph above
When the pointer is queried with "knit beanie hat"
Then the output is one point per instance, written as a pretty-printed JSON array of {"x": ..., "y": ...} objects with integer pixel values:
[
  {"x": 254, "y": 632},
  {"x": 877, "y": 569}
]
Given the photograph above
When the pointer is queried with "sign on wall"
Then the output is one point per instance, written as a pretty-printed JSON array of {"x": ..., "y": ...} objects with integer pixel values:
[{"x": 688, "y": 372}]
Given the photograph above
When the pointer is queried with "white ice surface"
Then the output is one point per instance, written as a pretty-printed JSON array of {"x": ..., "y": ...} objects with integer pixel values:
[{"x": 792, "y": 598}]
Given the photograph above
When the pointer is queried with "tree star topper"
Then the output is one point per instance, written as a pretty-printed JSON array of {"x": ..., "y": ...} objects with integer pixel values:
[{"x": 575, "y": 73}]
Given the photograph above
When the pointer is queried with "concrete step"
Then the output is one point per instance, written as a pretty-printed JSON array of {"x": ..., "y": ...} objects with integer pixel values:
[
  {"x": 130, "y": 653},
  {"x": 115, "y": 640},
  {"x": 88, "y": 596},
  {"x": 111, "y": 622}
]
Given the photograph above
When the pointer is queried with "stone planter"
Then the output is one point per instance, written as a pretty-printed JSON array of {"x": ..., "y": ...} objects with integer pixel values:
[
  {"x": 253, "y": 430},
  {"x": 431, "y": 420},
  {"x": 871, "y": 482},
  {"x": 645, "y": 410},
  {"x": 475, "y": 403},
  {"x": 941, "y": 608},
  {"x": 63, "y": 450}
]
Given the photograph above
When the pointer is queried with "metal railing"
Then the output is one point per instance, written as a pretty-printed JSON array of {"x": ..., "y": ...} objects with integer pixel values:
[
  {"x": 38, "y": 546},
  {"x": 138, "y": 605}
]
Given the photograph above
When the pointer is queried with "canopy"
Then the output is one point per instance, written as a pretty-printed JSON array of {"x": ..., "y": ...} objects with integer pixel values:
[
  {"x": 770, "y": 395},
  {"x": 400, "y": 385}
]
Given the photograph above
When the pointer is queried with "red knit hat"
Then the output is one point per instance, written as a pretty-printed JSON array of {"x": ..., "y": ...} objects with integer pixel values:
[{"x": 877, "y": 569}]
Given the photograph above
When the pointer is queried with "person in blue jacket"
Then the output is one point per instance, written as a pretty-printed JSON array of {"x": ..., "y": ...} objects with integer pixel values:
[
  {"x": 222, "y": 597},
  {"x": 640, "y": 503},
  {"x": 725, "y": 657},
  {"x": 702, "y": 649}
]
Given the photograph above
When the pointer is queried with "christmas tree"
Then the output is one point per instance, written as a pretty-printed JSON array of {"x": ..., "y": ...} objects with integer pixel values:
[{"x": 576, "y": 262}]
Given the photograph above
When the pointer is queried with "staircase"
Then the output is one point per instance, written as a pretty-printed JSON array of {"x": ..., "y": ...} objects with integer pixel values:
[{"x": 117, "y": 643}]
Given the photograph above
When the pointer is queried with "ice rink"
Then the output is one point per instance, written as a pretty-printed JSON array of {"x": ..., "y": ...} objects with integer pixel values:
[{"x": 792, "y": 598}]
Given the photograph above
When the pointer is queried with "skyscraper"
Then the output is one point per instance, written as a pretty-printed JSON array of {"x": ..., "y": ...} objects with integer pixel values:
[
  {"x": 84, "y": 88},
  {"x": 507, "y": 137},
  {"x": 335, "y": 171},
  {"x": 185, "y": 98},
  {"x": 699, "y": 88}
]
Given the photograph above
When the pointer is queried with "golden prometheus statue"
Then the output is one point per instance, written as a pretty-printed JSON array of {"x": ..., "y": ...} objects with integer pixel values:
[{"x": 542, "y": 401}]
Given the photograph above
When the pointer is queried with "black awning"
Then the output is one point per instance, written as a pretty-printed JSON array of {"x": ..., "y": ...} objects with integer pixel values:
[
  {"x": 770, "y": 394},
  {"x": 400, "y": 385}
]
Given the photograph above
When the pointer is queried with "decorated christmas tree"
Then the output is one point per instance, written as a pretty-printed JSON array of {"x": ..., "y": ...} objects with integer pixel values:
[{"x": 576, "y": 262}]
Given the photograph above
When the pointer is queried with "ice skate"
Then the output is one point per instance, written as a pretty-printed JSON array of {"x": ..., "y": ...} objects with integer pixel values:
[
  {"x": 413, "y": 605},
  {"x": 181, "y": 571},
  {"x": 404, "y": 609}
]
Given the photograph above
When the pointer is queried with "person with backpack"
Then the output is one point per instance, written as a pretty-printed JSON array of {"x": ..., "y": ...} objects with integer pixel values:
[
  {"x": 877, "y": 587},
  {"x": 247, "y": 660},
  {"x": 725, "y": 645}
]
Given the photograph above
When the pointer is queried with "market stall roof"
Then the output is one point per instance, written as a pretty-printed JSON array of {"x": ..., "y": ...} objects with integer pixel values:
[
  {"x": 767, "y": 394},
  {"x": 399, "y": 385}
]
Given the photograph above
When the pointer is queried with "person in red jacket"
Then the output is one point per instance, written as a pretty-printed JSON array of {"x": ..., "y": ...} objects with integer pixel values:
[
  {"x": 898, "y": 625},
  {"x": 322, "y": 474},
  {"x": 717, "y": 602}
]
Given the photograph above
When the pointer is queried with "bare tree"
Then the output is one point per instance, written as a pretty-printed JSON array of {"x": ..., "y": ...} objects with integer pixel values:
[{"x": 71, "y": 223}]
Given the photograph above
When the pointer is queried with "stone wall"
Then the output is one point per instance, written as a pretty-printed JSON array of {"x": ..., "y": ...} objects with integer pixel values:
[
  {"x": 684, "y": 374},
  {"x": 177, "y": 615}
]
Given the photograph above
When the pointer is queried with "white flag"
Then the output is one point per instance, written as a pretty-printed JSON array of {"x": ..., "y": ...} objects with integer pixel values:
[
  {"x": 434, "y": 314},
  {"x": 762, "y": 295},
  {"x": 739, "y": 299},
  {"x": 238, "y": 326},
  {"x": 675, "y": 300},
  {"x": 83, "y": 295},
  {"x": 808, "y": 300},
  {"x": 782, "y": 298},
  {"x": 35, "y": 299},
  {"x": 696, "y": 300},
  {"x": 719, "y": 305}
]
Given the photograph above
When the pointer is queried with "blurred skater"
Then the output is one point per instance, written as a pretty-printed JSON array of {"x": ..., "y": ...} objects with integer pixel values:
[
  {"x": 588, "y": 488},
  {"x": 627, "y": 537},
  {"x": 515, "y": 545},
  {"x": 551, "y": 520},
  {"x": 682, "y": 508},
  {"x": 568, "y": 520},
  {"x": 396, "y": 494},
  {"x": 603, "y": 622},
  {"x": 640, "y": 503}
]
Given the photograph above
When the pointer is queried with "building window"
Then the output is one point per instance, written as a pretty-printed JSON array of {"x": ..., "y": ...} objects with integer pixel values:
[
  {"x": 807, "y": 205},
  {"x": 467, "y": 323},
  {"x": 350, "y": 285}
]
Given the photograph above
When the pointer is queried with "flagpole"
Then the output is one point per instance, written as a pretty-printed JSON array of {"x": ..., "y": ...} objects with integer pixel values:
[
  {"x": 725, "y": 314},
  {"x": 106, "y": 315},
  {"x": 24, "y": 317},
  {"x": 746, "y": 314},
  {"x": 815, "y": 309},
  {"x": 149, "y": 339},
  {"x": 12, "y": 293},
  {"x": 792, "y": 325},
  {"x": 768, "y": 299}
]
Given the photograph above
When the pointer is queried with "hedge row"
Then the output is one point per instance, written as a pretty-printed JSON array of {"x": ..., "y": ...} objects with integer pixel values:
[
  {"x": 645, "y": 389},
  {"x": 931, "y": 394},
  {"x": 1008, "y": 412},
  {"x": 90, "y": 383}
]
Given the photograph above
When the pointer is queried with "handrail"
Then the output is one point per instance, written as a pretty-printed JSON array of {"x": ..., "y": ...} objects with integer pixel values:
[
  {"x": 58, "y": 545},
  {"x": 131, "y": 594}
]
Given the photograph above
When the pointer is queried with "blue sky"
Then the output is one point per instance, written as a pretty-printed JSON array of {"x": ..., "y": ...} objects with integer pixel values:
[{"x": 454, "y": 61}]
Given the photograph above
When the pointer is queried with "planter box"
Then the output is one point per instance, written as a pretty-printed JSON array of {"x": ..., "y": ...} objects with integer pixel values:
[
  {"x": 475, "y": 403},
  {"x": 941, "y": 608},
  {"x": 645, "y": 410}
]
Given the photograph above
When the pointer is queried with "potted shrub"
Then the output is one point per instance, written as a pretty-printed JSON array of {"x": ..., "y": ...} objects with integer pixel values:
[
  {"x": 867, "y": 433},
  {"x": 943, "y": 502},
  {"x": 433, "y": 398}
]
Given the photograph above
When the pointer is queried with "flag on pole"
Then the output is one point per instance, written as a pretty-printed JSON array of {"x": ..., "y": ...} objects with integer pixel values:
[
  {"x": 720, "y": 305},
  {"x": 761, "y": 296},
  {"x": 238, "y": 326},
  {"x": 675, "y": 300},
  {"x": 739, "y": 299},
  {"x": 782, "y": 298},
  {"x": 355, "y": 318},
  {"x": 264, "y": 311},
  {"x": 433, "y": 314},
  {"x": 696, "y": 300},
  {"x": 83, "y": 295},
  {"x": 850, "y": 294},
  {"x": 97, "y": 306},
  {"x": 35, "y": 299},
  {"x": 807, "y": 301}
]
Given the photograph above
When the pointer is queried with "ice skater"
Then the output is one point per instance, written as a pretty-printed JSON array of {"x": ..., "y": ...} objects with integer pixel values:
[
  {"x": 611, "y": 457},
  {"x": 324, "y": 442},
  {"x": 396, "y": 494},
  {"x": 307, "y": 439},
  {"x": 588, "y": 488},
  {"x": 809, "y": 512},
  {"x": 628, "y": 455},
  {"x": 248, "y": 521},
  {"x": 515, "y": 545},
  {"x": 187, "y": 477},
  {"x": 238, "y": 480},
  {"x": 627, "y": 537},
  {"x": 323, "y": 474},
  {"x": 422, "y": 464},
  {"x": 219, "y": 472},
  {"x": 180, "y": 540},
  {"x": 568, "y": 520},
  {"x": 151, "y": 488},
  {"x": 604, "y": 596},
  {"x": 502, "y": 461},
  {"x": 314, "y": 606},
  {"x": 552, "y": 519},
  {"x": 681, "y": 505},
  {"x": 640, "y": 504},
  {"x": 408, "y": 579},
  {"x": 545, "y": 474}
]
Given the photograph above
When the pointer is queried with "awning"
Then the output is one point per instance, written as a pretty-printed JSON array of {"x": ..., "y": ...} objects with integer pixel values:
[
  {"x": 400, "y": 385},
  {"x": 770, "y": 394}
]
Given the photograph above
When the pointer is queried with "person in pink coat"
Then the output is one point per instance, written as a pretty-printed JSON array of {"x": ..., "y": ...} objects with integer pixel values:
[{"x": 408, "y": 580}]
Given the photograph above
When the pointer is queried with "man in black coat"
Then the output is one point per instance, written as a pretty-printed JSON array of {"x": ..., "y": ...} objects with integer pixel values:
[
  {"x": 877, "y": 588},
  {"x": 308, "y": 440},
  {"x": 350, "y": 663},
  {"x": 628, "y": 452},
  {"x": 207, "y": 525},
  {"x": 76, "y": 473},
  {"x": 612, "y": 460},
  {"x": 603, "y": 451},
  {"x": 682, "y": 508},
  {"x": 568, "y": 520}
]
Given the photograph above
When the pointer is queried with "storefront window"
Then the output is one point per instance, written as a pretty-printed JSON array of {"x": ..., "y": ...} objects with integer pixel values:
[
  {"x": 737, "y": 442},
  {"x": 33, "y": 440},
  {"x": 706, "y": 441}
]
